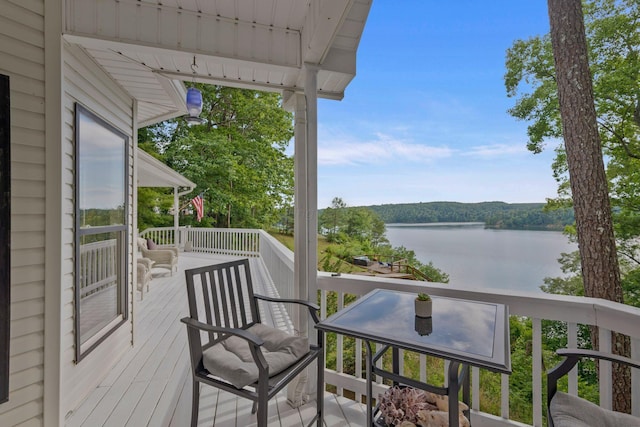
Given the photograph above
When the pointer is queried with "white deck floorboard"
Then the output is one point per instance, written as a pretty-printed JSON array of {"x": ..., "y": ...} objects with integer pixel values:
[{"x": 151, "y": 384}]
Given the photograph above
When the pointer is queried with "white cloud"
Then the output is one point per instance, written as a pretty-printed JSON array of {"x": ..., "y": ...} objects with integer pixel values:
[
  {"x": 382, "y": 148},
  {"x": 496, "y": 150}
]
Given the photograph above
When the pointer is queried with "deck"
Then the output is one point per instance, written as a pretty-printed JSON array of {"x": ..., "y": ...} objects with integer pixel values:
[{"x": 151, "y": 384}]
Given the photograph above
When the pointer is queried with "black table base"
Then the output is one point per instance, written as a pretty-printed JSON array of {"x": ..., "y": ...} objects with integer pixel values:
[{"x": 458, "y": 375}]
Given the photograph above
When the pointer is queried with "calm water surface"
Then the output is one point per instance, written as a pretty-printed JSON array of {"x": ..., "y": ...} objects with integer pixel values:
[{"x": 482, "y": 258}]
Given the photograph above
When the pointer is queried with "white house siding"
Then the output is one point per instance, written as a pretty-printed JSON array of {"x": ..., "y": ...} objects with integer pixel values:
[
  {"x": 22, "y": 59},
  {"x": 86, "y": 83}
]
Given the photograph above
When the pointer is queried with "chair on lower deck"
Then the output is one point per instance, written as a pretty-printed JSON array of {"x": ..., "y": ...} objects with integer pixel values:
[
  {"x": 162, "y": 258},
  {"x": 566, "y": 410},
  {"x": 232, "y": 350}
]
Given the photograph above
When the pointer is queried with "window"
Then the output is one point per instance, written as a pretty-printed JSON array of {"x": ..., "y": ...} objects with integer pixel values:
[{"x": 102, "y": 223}]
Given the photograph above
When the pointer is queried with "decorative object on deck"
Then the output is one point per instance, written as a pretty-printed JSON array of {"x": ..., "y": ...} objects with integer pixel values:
[
  {"x": 239, "y": 354},
  {"x": 566, "y": 410},
  {"x": 423, "y": 305},
  {"x": 198, "y": 205},
  {"x": 194, "y": 100},
  {"x": 164, "y": 257},
  {"x": 411, "y": 407},
  {"x": 151, "y": 245}
]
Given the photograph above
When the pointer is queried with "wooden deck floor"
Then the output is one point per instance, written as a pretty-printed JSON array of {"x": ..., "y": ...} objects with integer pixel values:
[{"x": 151, "y": 384}]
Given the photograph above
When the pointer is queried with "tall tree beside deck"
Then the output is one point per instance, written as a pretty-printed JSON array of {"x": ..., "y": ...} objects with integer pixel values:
[
  {"x": 589, "y": 187},
  {"x": 237, "y": 158},
  {"x": 613, "y": 35}
]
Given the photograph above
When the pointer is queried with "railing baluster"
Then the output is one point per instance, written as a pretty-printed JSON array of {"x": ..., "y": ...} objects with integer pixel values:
[
  {"x": 339, "y": 345},
  {"x": 537, "y": 371},
  {"x": 359, "y": 365},
  {"x": 378, "y": 363},
  {"x": 572, "y": 342},
  {"x": 504, "y": 396},
  {"x": 475, "y": 388},
  {"x": 604, "y": 336},
  {"x": 446, "y": 373},
  {"x": 635, "y": 378}
]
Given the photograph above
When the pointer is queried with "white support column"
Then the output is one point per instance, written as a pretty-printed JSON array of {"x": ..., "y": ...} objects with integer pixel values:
[
  {"x": 133, "y": 245},
  {"x": 311, "y": 183},
  {"x": 176, "y": 217},
  {"x": 305, "y": 216}
]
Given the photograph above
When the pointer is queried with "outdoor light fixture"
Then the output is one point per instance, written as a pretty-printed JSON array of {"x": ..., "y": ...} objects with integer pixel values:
[
  {"x": 194, "y": 106},
  {"x": 194, "y": 101}
]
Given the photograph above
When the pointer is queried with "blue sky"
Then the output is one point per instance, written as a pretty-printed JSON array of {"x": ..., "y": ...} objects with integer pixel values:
[{"x": 425, "y": 118}]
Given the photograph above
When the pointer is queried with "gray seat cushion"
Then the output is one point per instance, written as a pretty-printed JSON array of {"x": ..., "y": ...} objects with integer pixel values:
[
  {"x": 232, "y": 361},
  {"x": 572, "y": 411}
]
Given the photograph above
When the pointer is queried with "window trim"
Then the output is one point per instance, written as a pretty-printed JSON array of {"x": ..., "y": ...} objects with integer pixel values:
[
  {"x": 5, "y": 236},
  {"x": 82, "y": 350}
]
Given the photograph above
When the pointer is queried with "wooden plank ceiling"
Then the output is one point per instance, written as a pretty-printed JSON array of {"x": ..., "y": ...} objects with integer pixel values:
[{"x": 149, "y": 46}]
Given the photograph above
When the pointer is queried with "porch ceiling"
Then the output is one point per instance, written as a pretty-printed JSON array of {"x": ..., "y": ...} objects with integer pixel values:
[
  {"x": 148, "y": 46},
  {"x": 153, "y": 173}
]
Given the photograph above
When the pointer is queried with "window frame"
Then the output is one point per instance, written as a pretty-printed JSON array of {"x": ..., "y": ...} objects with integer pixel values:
[
  {"x": 122, "y": 242},
  {"x": 5, "y": 236}
]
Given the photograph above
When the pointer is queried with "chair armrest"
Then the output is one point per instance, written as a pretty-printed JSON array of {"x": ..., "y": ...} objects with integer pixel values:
[
  {"x": 146, "y": 262},
  {"x": 160, "y": 256},
  {"x": 242, "y": 333},
  {"x": 313, "y": 308},
  {"x": 573, "y": 355},
  {"x": 176, "y": 251},
  {"x": 580, "y": 353}
]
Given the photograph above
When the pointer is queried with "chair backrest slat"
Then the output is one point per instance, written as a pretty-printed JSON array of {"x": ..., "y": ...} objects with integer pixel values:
[
  {"x": 224, "y": 296},
  {"x": 225, "y": 282},
  {"x": 209, "y": 300},
  {"x": 235, "y": 304}
]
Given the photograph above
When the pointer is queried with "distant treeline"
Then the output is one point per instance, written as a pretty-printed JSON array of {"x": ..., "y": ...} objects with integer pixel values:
[{"x": 493, "y": 214}]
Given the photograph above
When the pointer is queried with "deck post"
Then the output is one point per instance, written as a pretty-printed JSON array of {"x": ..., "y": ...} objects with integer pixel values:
[
  {"x": 176, "y": 217},
  {"x": 305, "y": 218}
]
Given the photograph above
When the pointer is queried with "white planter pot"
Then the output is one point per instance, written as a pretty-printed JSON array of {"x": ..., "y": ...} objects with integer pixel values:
[{"x": 423, "y": 308}]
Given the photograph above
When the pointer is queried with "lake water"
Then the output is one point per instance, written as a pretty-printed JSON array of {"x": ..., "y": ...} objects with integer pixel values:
[{"x": 476, "y": 257}]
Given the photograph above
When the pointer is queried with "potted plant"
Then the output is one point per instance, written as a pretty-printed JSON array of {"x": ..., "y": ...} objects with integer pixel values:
[{"x": 423, "y": 305}]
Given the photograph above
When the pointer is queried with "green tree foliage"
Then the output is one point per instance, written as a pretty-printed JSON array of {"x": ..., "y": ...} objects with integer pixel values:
[
  {"x": 237, "y": 158},
  {"x": 360, "y": 231},
  {"x": 613, "y": 33},
  {"x": 493, "y": 214},
  {"x": 332, "y": 219}
]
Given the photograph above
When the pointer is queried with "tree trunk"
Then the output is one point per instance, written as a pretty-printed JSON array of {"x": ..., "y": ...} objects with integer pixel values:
[{"x": 600, "y": 271}]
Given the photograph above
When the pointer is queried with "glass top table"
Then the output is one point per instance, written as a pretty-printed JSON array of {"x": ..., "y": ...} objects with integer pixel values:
[{"x": 462, "y": 331}]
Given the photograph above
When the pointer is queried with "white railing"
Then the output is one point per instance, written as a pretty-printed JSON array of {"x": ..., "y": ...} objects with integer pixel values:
[
  {"x": 98, "y": 266},
  {"x": 608, "y": 316},
  {"x": 225, "y": 241},
  {"x": 163, "y": 236},
  {"x": 279, "y": 263},
  {"x": 575, "y": 311}
]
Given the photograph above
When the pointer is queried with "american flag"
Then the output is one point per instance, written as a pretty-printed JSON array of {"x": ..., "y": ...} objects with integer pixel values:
[{"x": 198, "y": 204}]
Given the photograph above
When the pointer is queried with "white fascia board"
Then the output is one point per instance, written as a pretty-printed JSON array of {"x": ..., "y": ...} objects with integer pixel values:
[{"x": 153, "y": 173}]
